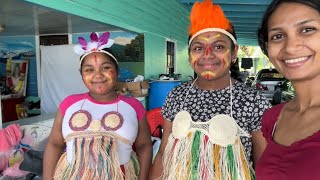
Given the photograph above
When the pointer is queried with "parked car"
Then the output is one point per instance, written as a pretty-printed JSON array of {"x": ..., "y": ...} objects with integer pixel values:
[
  {"x": 284, "y": 93},
  {"x": 266, "y": 82}
]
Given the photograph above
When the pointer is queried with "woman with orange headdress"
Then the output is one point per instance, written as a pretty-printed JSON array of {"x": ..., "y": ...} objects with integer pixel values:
[{"x": 212, "y": 127}]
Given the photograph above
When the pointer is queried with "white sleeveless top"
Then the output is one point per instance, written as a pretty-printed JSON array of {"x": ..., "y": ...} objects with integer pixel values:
[{"x": 130, "y": 108}]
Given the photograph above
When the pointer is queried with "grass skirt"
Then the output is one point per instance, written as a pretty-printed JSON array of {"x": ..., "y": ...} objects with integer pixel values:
[
  {"x": 195, "y": 157},
  {"x": 95, "y": 156}
]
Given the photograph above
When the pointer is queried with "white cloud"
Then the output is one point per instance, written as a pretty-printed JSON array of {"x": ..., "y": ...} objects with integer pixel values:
[
  {"x": 26, "y": 43},
  {"x": 122, "y": 41}
]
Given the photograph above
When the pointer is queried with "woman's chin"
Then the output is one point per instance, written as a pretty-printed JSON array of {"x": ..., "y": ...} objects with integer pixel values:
[{"x": 208, "y": 75}]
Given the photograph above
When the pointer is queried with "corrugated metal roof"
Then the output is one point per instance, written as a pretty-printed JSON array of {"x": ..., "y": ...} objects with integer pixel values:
[{"x": 244, "y": 14}]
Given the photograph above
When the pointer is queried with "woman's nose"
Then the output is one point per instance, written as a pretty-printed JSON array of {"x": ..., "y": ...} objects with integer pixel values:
[
  {"x": 294, "y": 43},
  {"x": 99, "y": 72},
  {"x": 208, "y": 50}
]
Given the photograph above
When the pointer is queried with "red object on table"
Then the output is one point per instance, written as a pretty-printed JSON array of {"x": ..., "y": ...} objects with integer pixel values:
[{"x": 9, "y": 109}]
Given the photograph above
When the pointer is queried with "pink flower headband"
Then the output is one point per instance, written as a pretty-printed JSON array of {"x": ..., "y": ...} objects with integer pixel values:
[{"x": 96, "y": 44}]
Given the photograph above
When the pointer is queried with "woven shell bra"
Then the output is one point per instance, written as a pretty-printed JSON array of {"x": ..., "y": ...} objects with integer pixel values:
[{"x": 221, "y": 129}]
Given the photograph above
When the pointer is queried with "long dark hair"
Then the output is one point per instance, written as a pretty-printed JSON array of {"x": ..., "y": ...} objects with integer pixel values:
[
  {"x": 234, "y": 68},
  {"x": 263, "y": 29}
]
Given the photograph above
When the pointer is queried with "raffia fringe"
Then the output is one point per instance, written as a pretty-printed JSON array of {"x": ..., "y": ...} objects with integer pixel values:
[
  {"x": 195, "y": 157},
  {"x": 95, "y": 158}
]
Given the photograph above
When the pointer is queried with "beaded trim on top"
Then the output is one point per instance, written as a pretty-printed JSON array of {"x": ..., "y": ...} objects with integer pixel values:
[
  {"x": 96, "y": 44},
  {"x": 82, "y": 120}
]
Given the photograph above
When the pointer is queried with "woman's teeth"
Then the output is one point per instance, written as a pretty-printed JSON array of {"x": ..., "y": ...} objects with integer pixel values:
[{"x": 295, "y": 60}]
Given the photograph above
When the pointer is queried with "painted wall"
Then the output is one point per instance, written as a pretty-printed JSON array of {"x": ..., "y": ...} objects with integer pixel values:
[
  {"x": 183, "y": 66},
  {"x": 137, "y": 68},
  {"x": 157, "y": 20},
  {"x": 155, "y": 55},
  {"x": 21, "y": 44},
  {"x": 121, "y": 39}
]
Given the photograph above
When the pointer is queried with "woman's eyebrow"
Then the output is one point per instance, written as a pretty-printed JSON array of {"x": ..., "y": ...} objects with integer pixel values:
[{"x": 297, "y": 24}]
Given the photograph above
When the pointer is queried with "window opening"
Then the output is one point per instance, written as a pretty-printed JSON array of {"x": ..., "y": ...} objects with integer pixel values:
[{"x": 170, "y": 69}]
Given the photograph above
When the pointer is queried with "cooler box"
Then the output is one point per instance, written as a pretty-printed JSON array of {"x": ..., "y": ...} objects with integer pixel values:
[{"x": 159, "y": 90}]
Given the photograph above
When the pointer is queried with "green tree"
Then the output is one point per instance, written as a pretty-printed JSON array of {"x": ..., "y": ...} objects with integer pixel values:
[{"x": 135, "y": 50}]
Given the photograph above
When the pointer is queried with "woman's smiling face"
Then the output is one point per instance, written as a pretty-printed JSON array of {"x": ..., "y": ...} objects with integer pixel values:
[
  {"x": 99, "y": 73},
  {"x": 210, "y": 54},
  {"x": 294, "y": 41}
]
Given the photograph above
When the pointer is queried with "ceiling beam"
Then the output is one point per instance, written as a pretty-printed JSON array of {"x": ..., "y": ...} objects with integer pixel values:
[
  {"x": 244, "y": 14},
  {"x": 245, "y": 2}
]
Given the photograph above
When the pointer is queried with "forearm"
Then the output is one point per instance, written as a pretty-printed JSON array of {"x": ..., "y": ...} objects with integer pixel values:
[
  {"x": 157, "y": 166},
  {"x": 258, "y": 145},
  {"x": 51, "y": 157},
  {"x": 144, "y": 153}
]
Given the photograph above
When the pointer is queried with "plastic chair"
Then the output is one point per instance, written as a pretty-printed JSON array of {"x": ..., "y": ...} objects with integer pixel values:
[{"x": 155, "y": 121}]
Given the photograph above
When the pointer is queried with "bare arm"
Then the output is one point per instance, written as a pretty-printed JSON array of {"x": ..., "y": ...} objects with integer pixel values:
[
  {"x": 144, "y": 149},
  {"x": 157, "y": 167},
  {"x": 258, "y": 144},
  {"x": 54, "y": 148}
]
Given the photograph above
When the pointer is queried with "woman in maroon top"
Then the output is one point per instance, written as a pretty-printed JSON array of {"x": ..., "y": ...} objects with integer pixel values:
[{"x": 290, "y": 37}]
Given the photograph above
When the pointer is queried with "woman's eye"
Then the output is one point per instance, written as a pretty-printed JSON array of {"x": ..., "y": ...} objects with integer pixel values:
[
  {"x": 197, "y": 48},
  {"x": 106, "y": 68},
  {"x": 276, "y": 37},
  {"x": 88, "y": 70},
  {"x": 218, "y": 47},
  {"x": 306, "y": 30}
]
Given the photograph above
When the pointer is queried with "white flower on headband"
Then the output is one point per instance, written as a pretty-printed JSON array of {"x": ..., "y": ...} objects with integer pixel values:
[{"x": 96, "y": 43}]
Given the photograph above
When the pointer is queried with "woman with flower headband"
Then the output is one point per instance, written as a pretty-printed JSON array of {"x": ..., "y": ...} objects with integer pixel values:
[
  {"x": 212, "y": 127},
  {"x": 98, "y": 128}
]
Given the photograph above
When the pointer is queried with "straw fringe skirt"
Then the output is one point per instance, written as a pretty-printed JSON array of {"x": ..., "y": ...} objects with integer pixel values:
[
  {"x": 196, "y": 158},
  {"x": 96, "y": 158}
]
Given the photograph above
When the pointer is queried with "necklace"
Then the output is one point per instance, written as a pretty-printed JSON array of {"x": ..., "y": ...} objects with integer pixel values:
[{"x": 82, "y": 120}]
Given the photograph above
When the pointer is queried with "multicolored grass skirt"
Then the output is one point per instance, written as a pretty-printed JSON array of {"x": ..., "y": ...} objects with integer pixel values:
[
  {"x": 209, "y": 150},
  {"x": 95, "y": 157}
]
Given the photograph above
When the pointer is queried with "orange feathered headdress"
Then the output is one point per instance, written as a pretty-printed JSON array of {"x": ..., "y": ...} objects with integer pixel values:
[{"x": 206, "y": 16}]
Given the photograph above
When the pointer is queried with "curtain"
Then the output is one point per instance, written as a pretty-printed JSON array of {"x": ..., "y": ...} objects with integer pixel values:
[{"x": 60, "y": 76}]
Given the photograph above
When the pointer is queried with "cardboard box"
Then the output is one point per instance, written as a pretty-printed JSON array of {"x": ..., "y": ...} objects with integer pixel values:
[{"x": 137, "y": 89}]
